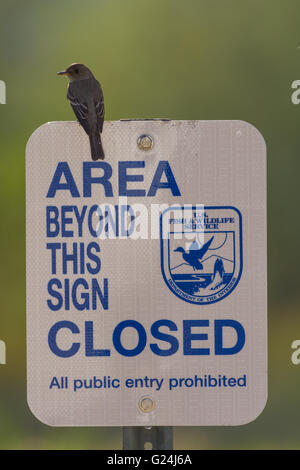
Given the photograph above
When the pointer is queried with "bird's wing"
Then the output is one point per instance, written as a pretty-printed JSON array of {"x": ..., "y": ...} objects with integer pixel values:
[
  {"x": 200, "y": 253},
  {"x": 80, "y": 109},
  {"x": 99, "y": 105}
]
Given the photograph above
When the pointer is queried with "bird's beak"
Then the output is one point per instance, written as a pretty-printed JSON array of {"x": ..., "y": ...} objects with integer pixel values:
[{"x": 64, "y": 72}]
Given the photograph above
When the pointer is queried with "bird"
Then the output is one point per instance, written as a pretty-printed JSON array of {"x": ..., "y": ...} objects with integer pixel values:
[
  {"x": 193, "y": 256},
  {"x": 86, "y": 97}
]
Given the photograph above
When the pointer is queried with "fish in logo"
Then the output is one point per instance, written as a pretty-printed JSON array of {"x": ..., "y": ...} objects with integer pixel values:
[{"x": 201, "y": 252}]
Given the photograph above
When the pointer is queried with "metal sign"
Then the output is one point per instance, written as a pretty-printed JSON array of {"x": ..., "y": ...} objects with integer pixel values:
[{"x": 146, "y": 274}]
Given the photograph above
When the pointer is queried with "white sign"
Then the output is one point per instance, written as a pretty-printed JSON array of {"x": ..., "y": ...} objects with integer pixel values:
[{"x": 146, "y": 274}]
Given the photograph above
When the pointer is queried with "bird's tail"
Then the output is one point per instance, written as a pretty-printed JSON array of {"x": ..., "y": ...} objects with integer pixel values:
[{"x": 96, "y": 147}]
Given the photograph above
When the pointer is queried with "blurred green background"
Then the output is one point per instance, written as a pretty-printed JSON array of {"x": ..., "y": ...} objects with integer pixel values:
[{"x": 192, "y": 59}]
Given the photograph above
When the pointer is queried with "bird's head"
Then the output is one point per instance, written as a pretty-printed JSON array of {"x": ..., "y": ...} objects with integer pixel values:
[
  {"x": 180, "y": 249},
  {"x": 76, "y": 72}
]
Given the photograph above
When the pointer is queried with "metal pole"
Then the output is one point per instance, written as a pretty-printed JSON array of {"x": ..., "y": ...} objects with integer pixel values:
[{"x": 149, "y": 438}]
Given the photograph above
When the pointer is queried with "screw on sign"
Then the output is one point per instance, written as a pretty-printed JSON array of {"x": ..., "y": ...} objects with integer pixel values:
[
  {"x": 151, "y": 269},
  {"x": 145, "y": 142}
]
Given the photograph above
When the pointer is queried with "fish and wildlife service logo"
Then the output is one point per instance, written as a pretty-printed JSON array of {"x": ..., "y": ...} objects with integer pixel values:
[{"x": 201, "y": 251}]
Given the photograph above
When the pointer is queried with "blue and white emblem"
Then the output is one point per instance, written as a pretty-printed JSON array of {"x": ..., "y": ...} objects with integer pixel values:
[{"x": 201, "y": 251}]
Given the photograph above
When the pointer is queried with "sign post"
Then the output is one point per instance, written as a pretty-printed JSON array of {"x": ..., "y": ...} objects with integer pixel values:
[{"x": 146, "y": 276}]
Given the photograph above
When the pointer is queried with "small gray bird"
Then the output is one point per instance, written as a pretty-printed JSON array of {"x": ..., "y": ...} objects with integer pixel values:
[{"x": 86, "y": 98}]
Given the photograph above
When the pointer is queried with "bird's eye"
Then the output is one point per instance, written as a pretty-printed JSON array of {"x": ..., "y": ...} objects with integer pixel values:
[{"x": 76, "y": 70}]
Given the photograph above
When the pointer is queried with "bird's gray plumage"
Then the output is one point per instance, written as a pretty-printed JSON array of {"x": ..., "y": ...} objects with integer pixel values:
[{"x": 86, "y": 98}]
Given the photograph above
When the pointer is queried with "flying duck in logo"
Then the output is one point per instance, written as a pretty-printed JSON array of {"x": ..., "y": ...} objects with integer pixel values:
[{"x": 201, "y": 252}]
